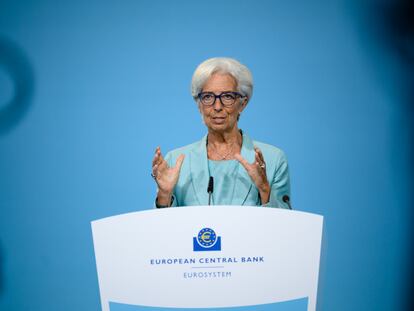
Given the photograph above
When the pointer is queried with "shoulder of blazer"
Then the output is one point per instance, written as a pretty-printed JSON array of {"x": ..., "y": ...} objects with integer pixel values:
[{"x": 173, "y": 154}]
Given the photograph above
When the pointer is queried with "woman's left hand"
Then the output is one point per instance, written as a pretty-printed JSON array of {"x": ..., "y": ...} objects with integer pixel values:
[{"x": 257, "y": 172}]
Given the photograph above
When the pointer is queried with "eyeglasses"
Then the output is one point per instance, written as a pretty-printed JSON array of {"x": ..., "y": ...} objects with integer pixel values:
[{"x": 227, "y": 99}]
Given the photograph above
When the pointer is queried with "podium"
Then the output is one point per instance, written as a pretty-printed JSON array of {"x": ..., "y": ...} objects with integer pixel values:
[{"x": 208, "y": 257}]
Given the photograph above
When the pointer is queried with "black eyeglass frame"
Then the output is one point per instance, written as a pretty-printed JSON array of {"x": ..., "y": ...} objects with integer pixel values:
[{"x": 236, "y": 94}]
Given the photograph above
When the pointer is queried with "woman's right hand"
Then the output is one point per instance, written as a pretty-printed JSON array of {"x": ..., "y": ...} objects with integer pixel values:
[{"x": 166, "y": 177}]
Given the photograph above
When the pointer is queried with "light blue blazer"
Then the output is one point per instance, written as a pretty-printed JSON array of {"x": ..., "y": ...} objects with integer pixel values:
[{"x": 191, "y": 188}]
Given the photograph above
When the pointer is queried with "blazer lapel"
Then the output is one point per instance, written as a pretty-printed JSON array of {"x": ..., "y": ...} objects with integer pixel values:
[
  {"x": 243, "y": 182},
  {"x": 199, "y": 171}
]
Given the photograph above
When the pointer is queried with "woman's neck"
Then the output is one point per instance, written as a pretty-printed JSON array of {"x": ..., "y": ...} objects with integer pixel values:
[
  {"x": 225, "y": 138},
  {"x": 223, "y": 146}
]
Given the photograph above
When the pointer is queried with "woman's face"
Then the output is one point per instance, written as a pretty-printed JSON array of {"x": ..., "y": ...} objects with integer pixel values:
[{"x": 217, "y": 117}]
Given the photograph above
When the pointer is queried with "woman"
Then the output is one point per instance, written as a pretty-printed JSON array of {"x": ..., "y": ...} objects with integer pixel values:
[{"x": 245, "y": 172}]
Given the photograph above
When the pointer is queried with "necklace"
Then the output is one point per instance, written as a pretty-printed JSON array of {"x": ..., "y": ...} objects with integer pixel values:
[
  {"x": 226, "y": 155},
  {"x": 223, "y": 156}
]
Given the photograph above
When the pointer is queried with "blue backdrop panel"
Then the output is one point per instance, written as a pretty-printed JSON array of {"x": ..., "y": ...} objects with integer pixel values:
[{"x": 88, "y": 89}]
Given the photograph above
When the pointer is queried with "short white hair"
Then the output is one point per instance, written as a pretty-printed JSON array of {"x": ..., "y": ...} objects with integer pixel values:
[{"x": 223, "y": 65}]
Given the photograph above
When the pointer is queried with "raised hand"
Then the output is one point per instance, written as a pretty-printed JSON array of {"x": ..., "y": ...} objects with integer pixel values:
[
  {"x": 257, "y": 172},
  {"x": 166, "y": 177}
]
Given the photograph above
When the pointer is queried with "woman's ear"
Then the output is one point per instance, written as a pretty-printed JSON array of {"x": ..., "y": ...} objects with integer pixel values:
[{"x": 243, "y": 103}]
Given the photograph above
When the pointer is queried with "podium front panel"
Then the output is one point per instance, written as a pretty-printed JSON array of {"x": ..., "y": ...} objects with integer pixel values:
[{"x": 209, "y": 257}]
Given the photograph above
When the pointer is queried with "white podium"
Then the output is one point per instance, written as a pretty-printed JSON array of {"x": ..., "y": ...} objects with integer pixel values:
[{"x": 211, "y": 257}]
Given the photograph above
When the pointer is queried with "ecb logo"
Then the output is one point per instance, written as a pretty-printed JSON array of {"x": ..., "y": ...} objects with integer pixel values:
[{"x": 206, "y": 240}]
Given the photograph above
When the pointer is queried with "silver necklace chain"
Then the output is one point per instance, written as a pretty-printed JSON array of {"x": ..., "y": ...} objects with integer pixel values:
[{"x": 225, "y": 156}]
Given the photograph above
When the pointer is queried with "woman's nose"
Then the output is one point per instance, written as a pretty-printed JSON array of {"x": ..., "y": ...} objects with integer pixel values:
[{"x": 217, "y": 104}]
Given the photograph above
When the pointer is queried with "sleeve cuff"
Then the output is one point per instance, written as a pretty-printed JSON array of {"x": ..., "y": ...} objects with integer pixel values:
[{"x": 164, "y": 206}]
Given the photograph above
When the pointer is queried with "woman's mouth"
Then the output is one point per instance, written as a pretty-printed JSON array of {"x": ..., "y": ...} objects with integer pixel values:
[{"x": 219, "y": 119}]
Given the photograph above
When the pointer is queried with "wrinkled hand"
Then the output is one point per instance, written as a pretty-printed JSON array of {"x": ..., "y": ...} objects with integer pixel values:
[
  {"x": 166, "y": 177},
  {"x": 257, "y": 172}
]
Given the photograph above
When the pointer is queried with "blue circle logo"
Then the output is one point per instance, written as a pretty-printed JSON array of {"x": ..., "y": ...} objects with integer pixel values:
[{"x": 206, "y": 237}]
